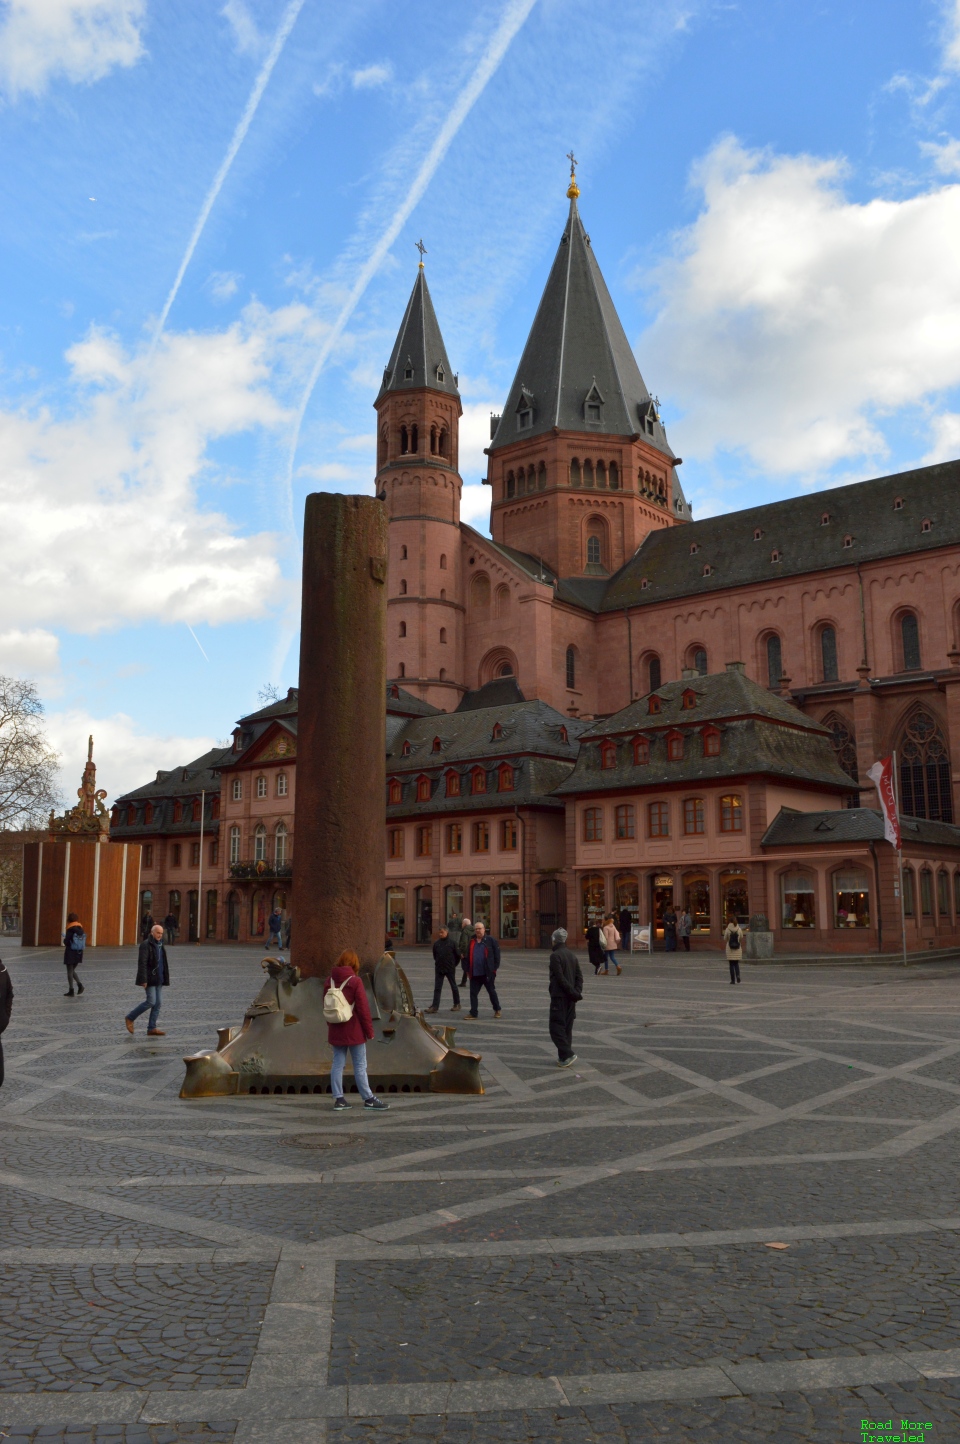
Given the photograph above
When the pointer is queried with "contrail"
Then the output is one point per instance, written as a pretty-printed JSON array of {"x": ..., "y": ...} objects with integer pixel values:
[
  {"x": 197, "y": 640},
  {"x": 239, "y": 136},
  {"x": 513, "y": 19}
]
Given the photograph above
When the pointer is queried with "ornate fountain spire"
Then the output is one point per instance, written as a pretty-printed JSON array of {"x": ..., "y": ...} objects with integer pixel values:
[{"x": 89, "y": 817}]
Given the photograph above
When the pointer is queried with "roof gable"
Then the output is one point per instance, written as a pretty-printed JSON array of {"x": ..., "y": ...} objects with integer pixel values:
[{"x": 419, "y": 357}]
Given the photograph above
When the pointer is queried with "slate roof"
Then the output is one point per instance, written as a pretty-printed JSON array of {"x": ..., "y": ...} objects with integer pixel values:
[
  {"x": 864, "y": 511},
  {"x": 419, "y": 347},
  {"x": 199, "y": 775},
  {"x": 853, "y": 824},
  {"x": 283, "y": 707},
  {"x": 501, "y": 692},
  {"x": 760, "y": 734}
]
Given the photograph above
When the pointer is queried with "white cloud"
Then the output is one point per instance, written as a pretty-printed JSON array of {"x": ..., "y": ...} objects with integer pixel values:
[
  {"x": 370, "y": 77},
  {"x": 108, "y": 525},
  {"x": 82, "y": 40},
  {"x": 951, "y": 35},
  {"x": 475, "y": 436},
  {"x": 946, "y": 438},
  {"x": 944, "y": 154},
  {"x": 32, "y": 652},
  {"x": 334, "y": 471},
  {"x": 126, "y": 756},
  {"x": 792, "y": 320},
  {"x": 222, "y": 285},
  {"x": 246, "y": 34},
  {"x": 475, "y": 507}
]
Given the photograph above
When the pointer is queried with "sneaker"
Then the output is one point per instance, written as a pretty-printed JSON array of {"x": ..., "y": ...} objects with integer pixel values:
[
  {"x": 376, "y": 1105},
  {"x": 156, "y": 1033},
  {"x": 566, "y": 1062},
  {"x": 456, "y": 1008},
  {"x": 431, "y": 1010},
  {"x": 339, "y": 1104},
  {"x": 474, "y": 1017},
  {"x": 496, "y": 1015},
  {"x": 129, "y": 1023}
]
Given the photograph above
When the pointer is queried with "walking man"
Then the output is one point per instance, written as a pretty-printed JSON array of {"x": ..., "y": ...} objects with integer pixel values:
[
  {"x": 566, "y": 990},
  {"x": 6, "y": 1005},
  {"x": 274, "y": 924},
  {"x": 172, "y": 925},
  {"x": 684, "y": 928},
  {"x": 483, "y": 961},
  {"x": 463, "y": 947},
  {"x": 445, "y": 960},
  {"x": 153, "y": 975}
]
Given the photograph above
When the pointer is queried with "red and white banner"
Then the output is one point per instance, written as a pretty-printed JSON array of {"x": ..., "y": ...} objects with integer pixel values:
[{"x": 881, "y": 774}]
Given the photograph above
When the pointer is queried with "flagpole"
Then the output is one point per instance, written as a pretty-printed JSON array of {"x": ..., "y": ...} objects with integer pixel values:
[{"x": 896, "y": 803}]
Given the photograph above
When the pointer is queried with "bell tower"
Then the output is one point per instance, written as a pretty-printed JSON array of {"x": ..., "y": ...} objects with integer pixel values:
[
  {"x": 579, "y": 462},
  {"x": 418, "y": 421}
]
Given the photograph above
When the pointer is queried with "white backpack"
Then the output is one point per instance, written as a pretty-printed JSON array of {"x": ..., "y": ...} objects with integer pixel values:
[{"x": 336, "y": 1007}]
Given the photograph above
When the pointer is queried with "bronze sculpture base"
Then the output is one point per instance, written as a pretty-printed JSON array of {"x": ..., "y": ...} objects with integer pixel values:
[{"x": 281, "y": 1046}]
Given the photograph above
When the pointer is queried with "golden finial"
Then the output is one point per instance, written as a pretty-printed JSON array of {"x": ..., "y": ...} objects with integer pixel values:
[
  {"x": 573, "y": 190},
  {"x": 423, "y": 251}
]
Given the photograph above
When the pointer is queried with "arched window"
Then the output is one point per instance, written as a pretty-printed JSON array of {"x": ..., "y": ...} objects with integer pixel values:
[
  {"x": 480, "y": 594},
  {"x": 404, "y": 441},
  {"x": 924, "y": 770},
  {"x": 601, "y": 474},
  {"x": 910, "y": 642},
  {"x": 614, "y": 477},
  {"x": 588, "y": 473},
  {"x": 844, "y": 745},
  {"x": 774, "y": 660},
  {"x": 433, "y": 441},
  {"x": 926, "y": 893},
  {"x": 700, "y": 661},
  {"x": 234, "y": 844},
  {"x": 505, "y": 669},
  {"x": 503, "y": 601},
  {"x": 442, "y": 441},
  {"x": 281, "y": 844},
  {"x": 403, "y": 587},
  {"x": 909, "y": 894},
  {"x": 575, "y": 472},
  {"x": 443, "y": 561},
  {"x": 654, "y": 671},
  {"x": 443, "y": 674},
  {"x": 403, "y": 554},
  {"x": 260, "y": 844},
  {"x": 511, "y": 485},
  {"x": 281, "y": 784},
  {"x": 542, "y": 477},
  {"x": 571, "y": 666},
  {"x": 593, "y": 550},
  {"x": 443, "y": 635},
  {"x": 596, "y": 544},
  {"x": 829, "y": 666},
  {"x": 414, "y": 438},
  {"x": 401, "y": 670},
  {"x": 403, "y": 629}
]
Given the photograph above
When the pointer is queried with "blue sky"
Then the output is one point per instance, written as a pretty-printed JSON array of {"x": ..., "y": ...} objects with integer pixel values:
[{"x": 772, "y": 190}]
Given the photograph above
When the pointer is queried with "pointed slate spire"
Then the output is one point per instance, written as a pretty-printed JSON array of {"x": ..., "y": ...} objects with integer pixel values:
[
  {"x": 419, "y": 357},
  {"x": 578, "y": 371}
]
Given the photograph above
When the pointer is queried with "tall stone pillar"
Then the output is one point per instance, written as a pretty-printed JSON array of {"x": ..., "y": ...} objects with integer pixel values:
[{"x": 338, "y": 867}]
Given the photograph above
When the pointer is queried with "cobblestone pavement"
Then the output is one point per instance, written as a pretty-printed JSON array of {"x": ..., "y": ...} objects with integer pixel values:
[{"x": 733, "y": 1220}]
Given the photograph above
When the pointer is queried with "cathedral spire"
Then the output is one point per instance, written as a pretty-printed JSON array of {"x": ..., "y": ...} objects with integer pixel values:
[{"x": 419, "y": 357}]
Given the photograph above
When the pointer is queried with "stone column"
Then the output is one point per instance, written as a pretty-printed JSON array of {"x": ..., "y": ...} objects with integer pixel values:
[{"x": 338, "y": 865}]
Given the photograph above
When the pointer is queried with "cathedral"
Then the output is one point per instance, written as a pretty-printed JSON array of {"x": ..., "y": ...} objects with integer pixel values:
[{"x": 608, "y": 706}]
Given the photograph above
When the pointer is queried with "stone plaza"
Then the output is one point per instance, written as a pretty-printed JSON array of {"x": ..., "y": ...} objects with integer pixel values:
[{"x": 733, "y": 1219}]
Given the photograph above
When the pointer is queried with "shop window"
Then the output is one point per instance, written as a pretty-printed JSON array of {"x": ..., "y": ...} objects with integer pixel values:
[
  {"x": 396, "y": 910},
  {"x": 829, "y": 665},
  {"x": 453, "y": 903},
  {"x": 592, "y": 900},
  {"x": 641, "y": 751},
  {"x": 423, "y": 789},
  {"x": 505, "y": 778},
  {"x": 731, "y": 813},
  {"x": 956, "y": 894},
  {"x": 480, "y": 904},
  {"x": 693, "y": 816},
  {"x": 675, "y": 746},
  {"x": 696, "y": 900},
  {"x": 261, "y": 786},
  {"x": 924, "y": 771},
  {"x": 394, "y": 790},
  {"x": 943, "y": 895},
  {"x": 258, "y": 914},
  {"x": 211, "y": 913},
  {"x": 797, "y": 900},
  {"x": 174, "y": 904},
  {"x": 625, "y": 825},
  {"x": 481, "y": 838},
  {"x": 909, "y": 895},
  {"x": 734, "y": 897},
  {"x": 233, "y": 916},
  {"x": 237, "y": 789},
  {"x": 592, "y": 824},
  {"x": 608, "y": 755},
  {"x": 509, "y": 910},
  {"x": 658, "y": 819},
  {"x": 424, "y": 838},
  {"x": 851, "y": 894},
  {"x": 478, "y": 780},
  {"x": 234, "y": 844},
  {"x": 926, "y": 893},
  {"x": 626, "y": 899},
  {"x": 454, "y": 837},
  {"x": 508, "y": 835}
]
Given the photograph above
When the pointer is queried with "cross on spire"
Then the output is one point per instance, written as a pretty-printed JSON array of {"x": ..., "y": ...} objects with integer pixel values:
[
  {"x": 573, "y": 190},
  {"x": 422, "y": 249}
]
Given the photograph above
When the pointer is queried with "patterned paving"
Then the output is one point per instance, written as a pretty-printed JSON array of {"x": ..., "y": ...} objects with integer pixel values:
[{"x": 577, "y": 1256}]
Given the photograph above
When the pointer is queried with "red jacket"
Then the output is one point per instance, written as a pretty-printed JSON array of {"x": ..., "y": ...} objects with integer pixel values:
[{"x": 359, "y": 1028}]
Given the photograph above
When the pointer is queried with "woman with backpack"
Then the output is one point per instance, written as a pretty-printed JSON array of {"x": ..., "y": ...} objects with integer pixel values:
[
  {"x": 74, "y": 942},
  {"x": 349, "y": 1028},
  {"x": 733, "y": 939}
]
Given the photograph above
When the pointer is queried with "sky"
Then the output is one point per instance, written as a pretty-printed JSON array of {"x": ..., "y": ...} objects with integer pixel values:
[{"x": 207, "y": 236}]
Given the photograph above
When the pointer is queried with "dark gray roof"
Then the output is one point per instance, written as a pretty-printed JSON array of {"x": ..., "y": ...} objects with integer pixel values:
[
  {"x": 283, "y": 707},
  {"x": 501, "y": 692},
  {"x": 577, "y": 343},
  {"x": 852, "y": 824},
  {"x": 535, "y": 567},
  {"x": 188, "y": 781},
  {"x": 401, "y": 703},
  {"x": 419, "y": 348},
  {"x": 864, "y": 511},
  {"x": 760, "y": 735}
]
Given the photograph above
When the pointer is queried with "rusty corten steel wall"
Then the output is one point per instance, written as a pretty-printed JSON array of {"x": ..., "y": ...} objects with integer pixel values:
[{"x": 338, "y": 864}]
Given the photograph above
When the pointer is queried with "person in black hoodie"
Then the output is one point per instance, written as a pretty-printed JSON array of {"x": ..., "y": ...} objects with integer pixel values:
[
  {"x": 6, "y": 1004},
  {"x": 74, "y": 940},
  {"x": 595, "y": 947},
  {"x": 153, "y": 975},
  {"x": 566, "y": 990},
  {"x": 446, "y": 956}
]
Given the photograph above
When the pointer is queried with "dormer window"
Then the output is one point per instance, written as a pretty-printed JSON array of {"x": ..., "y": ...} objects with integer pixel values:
[
  {"x": 608, "y": 755},
  {"x": 478, "y": 780},
  {"x": 423, "y": 789},
  {"x": 505, "y": 778},
  {"x": 711, "y": 742},
  {"x": 437, "y": 744},
  {"x": 453, "y": 784},
  {"x": 641, "y": 751},
  {"x": 408, "y": 370},
  {"x": 440, "y": 374},
  {"x": 593, "y": 406},
  {"x": 394, "y": 790},
  {"x": 694, "y": 548},
  {"x": 825, "y": 519},
  {"x": 898, "y": 503},
  {"x": 926, "y": 524},
  {"x": 564, "y": 735},
  {"x": 776, "y": 555},
  {"x": 757, "y": 533},
  {"x": 497, "y": 733},
  {"x": 644, "y": 584},
  {"x": 848, "y": 541},
  {"x": 649, "y": 425},
  {"x": 674, "y": 746},
  {"x": 689, "y": 699},
  {"x": 707, "y": 569},
  {"x": 654, "y": 704},
  {"x": 524, "y": 410},
  {"x": 405, "y": 750}
]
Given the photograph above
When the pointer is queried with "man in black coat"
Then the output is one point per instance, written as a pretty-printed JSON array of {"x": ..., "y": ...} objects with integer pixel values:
[
  {"x": 446, "y": 957},
  {"x": 6, "y": 1004},
  {"x": 566, "y": 990},
  {"x": 153, "y": 975}
]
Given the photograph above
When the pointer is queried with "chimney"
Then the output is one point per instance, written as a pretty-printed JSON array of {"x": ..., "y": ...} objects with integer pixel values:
[{"x": 740, "y": 667}]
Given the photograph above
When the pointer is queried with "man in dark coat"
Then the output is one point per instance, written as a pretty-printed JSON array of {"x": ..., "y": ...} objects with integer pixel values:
[
  {"x": 153, "y": 975},
  {"x": 566, "y": 990},
  {"x": 626, "y": 923},
  {"x": 483, "y": 963},
  {"x": 172, "y": 925},
  {"x": 446, "y": 956},
  {"x": 670, "y": 929},
  {"x": 6, "y": 1004},
  {"x": 595, "y": 947},
  {"x": 463, "y": 947}
]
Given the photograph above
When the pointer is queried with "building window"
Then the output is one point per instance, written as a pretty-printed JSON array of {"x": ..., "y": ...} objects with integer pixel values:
[
  {"x": 403, "y": 587},
  {"x": 443, "y": 561},
  {"x": 148, "y": 855},
  {"x": 658, "y": 819},
  {"x": 909, "y": 895},
  {"x": 775, "y": 554},
  {"x": 574, "y": 472},
  {"x": 395, "y": 913},
  {"x": 797, "y": 901},
  {"x": 214, "y": 853},
  {"x": 641, "y": 751},
  {"x": 828, "y": 655},
  {"x": 131, "y": 816},
  {"x": 653, "y": 705},
  {"x": 593, "y": 549},
  {"x": 653, "y": 674},
  {"x": 234, "y": 844},
  {"x": 509, "y": 910},
  {"x": 261, "y": 786},
  {"x": 943, "y": 895},
  {"x": 478, "y": 780},
  {"x": 675, "y": 747},
  {"x": 260, "y": 844},
  {"x": 212, "y": 913},
  {"x": 505, "y": 778},
  {"x": 956, "y": 893},
  {"x": 402, "y": 629},
  {"x": 453, "y": 784},
  {"x": 624, "y": 824},
  {"x": 564, "y": 735},
  {"x": 453, "y": 903},
  {"x": 593, "y": 900},
  {"x": 394, "y": 790},
  {"x": 194, "y": 854},
  {"x": 731, "y": 813},
  {"x": 424, "y": 841},
  {"x": 405, "y": 750},
  {"x": 280, "y": 844},
  {"x": 511, "y": 486},
  {"x": 592, "y": 824},
  {"x": 711, "y": 742},
  {"x": 774, "y": 660},
  {"x": 214, "y": 808},
  {"x": 851, "y": 892},
  {"x": 497, "y": 734},
  {"x": 910, "y": 642},
  {"x": 844, "y": 746},
  {"x": 237, "y": 789},
  {"x": 480, "y": 904},
  {"x": 571, "y": 667},
  {"x": 700, "y": 661},
  {"x": 508, "y": 835},
  {"x": 688, "y": 700},
  {"x": 926, "y": 892},
  {"x": 693, "y": 816},
  {"x": 281, "y": 784},
  {"x": 395, "y": 841},
  {"x": 924, "y": 771},
  {"x": 177, "y": 813},
  {"x": 454, "y": 837},
  {"x": 403, "y": 554},
  {"x": 423, "y": 789},
  {"x": 175, "y": 855},
  {"x": 608, "y": 755},
  {"x": 481, "y": 838},
  {"x": 847, "y": 542},
  {"x": 443, "y": 636},
  {"x": 148, "y": 812}
]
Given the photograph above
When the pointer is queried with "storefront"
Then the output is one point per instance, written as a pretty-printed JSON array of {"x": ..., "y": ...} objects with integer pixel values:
[
  {"x": 480, "y": 904},
  {"x": 696, "y": 900},
  {"x": 661, "y": 901},
  {"x": 734, "y": 896},
  {"x": 509, "y": 911},
  {"x": 396, "y": 913},
  {"x": 593, "y": 900},
  {"x": 851, "y": 894},
  {"x": 626, "y": 896},
  {"x": 452, "y": 903},
  {"x": 798, "y": 907}
]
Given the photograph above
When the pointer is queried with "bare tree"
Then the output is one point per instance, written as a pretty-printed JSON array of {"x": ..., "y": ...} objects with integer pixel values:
[
  {"x": 28, "y": 768},
  {"x": 268, "y": 693}
]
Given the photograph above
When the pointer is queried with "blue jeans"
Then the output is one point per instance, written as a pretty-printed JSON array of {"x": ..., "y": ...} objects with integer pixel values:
[
  {"x": 151, "y": 1001},
  {"x": 358, "y": 1053},
  {"x": 611, "y": 958}
]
